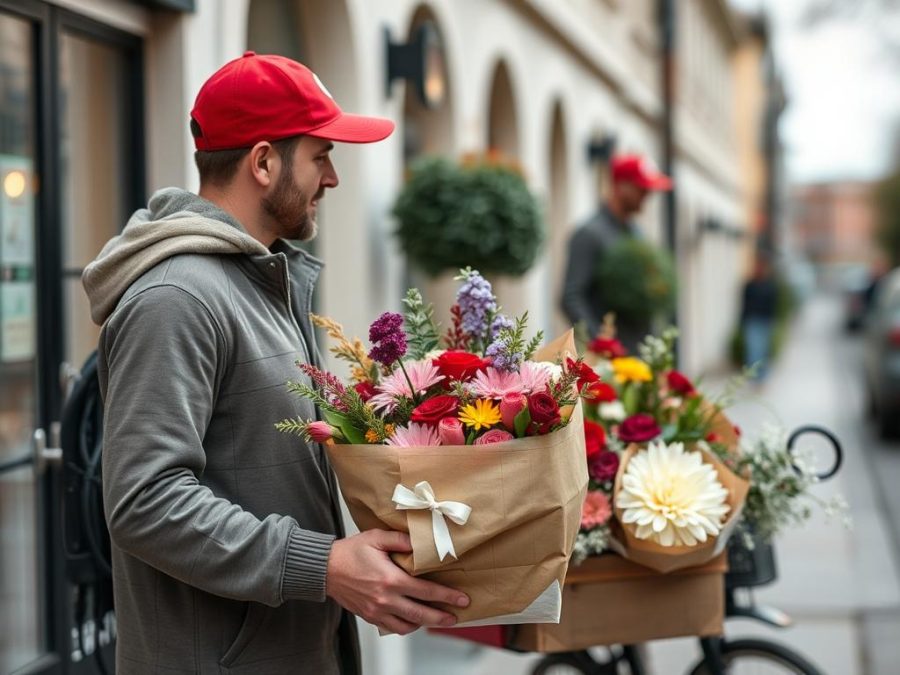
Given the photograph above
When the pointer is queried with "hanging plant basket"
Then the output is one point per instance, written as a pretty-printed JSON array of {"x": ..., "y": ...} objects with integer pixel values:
[{"x": 479, "y": 214}]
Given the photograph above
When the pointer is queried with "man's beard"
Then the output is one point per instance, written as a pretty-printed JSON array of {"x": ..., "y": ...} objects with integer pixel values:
[{"x": 289, "y": 207}]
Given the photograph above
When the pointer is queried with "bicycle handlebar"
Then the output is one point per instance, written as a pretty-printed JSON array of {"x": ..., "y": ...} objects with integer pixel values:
[{"x": 835, "y": 444}]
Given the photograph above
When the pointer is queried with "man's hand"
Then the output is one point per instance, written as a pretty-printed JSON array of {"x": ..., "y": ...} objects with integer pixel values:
[{"x": 362, "y": 578}]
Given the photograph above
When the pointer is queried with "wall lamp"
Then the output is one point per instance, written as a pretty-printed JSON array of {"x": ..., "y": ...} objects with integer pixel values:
[
  {"x": 419, "y": 61},
  {"x": 601, "y": 149}
]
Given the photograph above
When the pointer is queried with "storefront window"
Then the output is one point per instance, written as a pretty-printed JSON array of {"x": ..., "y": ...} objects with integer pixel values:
[{"x": 20, "y": 637}]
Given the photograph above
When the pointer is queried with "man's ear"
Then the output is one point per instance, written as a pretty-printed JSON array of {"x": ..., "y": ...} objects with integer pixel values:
[{"x": 262, "y": 163}]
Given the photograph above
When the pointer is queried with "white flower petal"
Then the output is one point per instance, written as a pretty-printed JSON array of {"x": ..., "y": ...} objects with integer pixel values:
[{"x": 672, "y": 496}]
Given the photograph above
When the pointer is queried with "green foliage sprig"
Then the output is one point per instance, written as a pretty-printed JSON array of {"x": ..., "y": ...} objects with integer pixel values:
[{"x": 421, "y": 332}]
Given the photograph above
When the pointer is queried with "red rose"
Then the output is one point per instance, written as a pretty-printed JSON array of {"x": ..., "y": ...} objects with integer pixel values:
[
  {"x": 712, "y": 437},
  {"x": 600, "y": 392},
  {"x": 459, "y": 365},
  {"x": 432, "y": 410},
  {"x": 680, "y": 384},
  {"x": 609, "y": 348},
  {"x": 603, "y": 467},
  {"x": 594, "y": 438},
  {"x": 366, "y": 390},
  {"x": 544, "y": 412},
  {"x": 639, "y": 428}
]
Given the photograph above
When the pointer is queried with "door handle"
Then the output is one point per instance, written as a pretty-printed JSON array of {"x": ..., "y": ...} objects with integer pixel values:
[{"x": 45, "y": 457}]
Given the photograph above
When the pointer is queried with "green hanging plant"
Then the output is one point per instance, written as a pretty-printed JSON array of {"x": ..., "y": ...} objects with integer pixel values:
[{"x": 479, "y": 214}]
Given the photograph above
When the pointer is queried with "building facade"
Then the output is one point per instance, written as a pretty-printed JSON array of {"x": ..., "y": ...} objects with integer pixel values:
[{"x": 94, "y": 101}]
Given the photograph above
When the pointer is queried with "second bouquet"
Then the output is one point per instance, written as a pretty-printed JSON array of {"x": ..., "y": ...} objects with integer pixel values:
[{"x": 470, "y": 440}]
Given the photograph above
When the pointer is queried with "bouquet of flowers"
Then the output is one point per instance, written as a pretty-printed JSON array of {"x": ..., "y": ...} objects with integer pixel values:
[
  {"x": 479, "y": 427},
  {"x": 675, "y": 502}
]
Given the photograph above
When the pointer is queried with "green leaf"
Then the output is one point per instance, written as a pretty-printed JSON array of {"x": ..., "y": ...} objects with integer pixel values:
[
  {"x": 342, "y": 422},
  {"x": 631, "y": 398},
  {"x": 523, "y": 419},
  {"x": 668, "y": 432}
]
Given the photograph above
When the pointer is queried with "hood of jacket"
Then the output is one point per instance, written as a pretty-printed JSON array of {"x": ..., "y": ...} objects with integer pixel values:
[{"x": 174, "y": 222}]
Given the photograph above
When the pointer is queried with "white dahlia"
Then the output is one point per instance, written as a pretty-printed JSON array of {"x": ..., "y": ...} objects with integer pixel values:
[{"x": 672, "y": 496}]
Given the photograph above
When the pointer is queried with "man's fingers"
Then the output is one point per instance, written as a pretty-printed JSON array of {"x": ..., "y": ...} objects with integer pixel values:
[
  {"x": 422, "y": 615},
  {"x": 392, "y": 541},
  {"x": 432, "y": 592},
  {"x": 394, "y": 624}
]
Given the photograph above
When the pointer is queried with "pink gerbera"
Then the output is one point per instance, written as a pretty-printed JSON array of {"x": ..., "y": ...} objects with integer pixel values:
[
  {"x": 596, "y": 510},
  {"x": 534, "y": 377},
  {"x": 422, "y": 374},
  {"x": 415, "y": 435},
  {"x": 493, "y": 383}
]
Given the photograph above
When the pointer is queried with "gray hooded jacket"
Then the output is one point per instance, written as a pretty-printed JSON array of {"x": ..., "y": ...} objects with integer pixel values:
[{"x": 221, "y": 526}]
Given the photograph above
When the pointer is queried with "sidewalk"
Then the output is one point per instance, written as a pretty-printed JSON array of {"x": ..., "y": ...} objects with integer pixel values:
[{"x": 841, "y": 587}]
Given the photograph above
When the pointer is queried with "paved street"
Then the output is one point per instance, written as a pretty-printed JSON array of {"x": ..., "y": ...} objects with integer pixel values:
[{"x": 842, "y": 587}]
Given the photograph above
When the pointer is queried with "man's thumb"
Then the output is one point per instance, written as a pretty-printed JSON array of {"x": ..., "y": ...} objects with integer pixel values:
[{"x": 392, "y": 541}]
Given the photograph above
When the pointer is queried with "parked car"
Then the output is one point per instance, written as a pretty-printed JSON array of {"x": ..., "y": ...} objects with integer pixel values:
[
  {"x": 882, "y": 354},
  {"x": 855, "y": 285}
]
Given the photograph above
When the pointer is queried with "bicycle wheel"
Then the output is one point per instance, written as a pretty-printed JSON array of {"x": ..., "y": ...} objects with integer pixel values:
[
  {"x": 760, "y": 657},
  {"x": 578, "y": 663},
  {"x": 563, "y": 664}
]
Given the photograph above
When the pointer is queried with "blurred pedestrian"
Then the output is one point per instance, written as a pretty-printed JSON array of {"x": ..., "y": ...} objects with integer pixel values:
[
  {"x": 877, "y": 271},
  {"x": 633, "y": 178},
  {"x": 759, "y": 307}
]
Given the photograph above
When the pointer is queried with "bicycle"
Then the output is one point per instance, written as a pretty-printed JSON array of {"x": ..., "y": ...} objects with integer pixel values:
[{"x": 748, "y": 568}]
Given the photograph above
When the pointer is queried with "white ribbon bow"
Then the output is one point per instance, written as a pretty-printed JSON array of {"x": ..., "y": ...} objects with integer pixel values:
[{"x": 423, "y": 498}]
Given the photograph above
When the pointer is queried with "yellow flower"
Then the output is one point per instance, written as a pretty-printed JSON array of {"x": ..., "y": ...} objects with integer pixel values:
[
  {"x": 631, "y": 369},
  {"x": 372, "y": 436},
  {"x": 482, "y": 414}
]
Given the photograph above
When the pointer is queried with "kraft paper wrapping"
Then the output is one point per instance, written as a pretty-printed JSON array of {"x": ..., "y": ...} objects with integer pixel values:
[
  {"x": 526, "y": 497},
  {"x": 668, "y": 558}
]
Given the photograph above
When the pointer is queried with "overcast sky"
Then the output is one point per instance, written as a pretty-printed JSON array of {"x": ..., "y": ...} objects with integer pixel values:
[{"x": 843, "y": 114}]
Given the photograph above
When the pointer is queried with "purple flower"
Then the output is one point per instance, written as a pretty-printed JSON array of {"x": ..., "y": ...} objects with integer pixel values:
[
  {"x": 476, "y": 301},
  {"x": 387, "y": 338},
  {"x": 502, "y": 357},
  {"x": 500, "y": 322}
]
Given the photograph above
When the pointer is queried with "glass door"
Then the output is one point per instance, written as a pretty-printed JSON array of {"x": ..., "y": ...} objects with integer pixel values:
[
  {"x": 21, "y": 641},
  {"x": 71, "y": 170}
]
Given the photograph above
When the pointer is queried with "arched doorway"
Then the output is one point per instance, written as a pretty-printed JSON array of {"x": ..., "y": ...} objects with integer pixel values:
[
  {"x": 503, "y": 122},
  {"x": 504, "y": 145}
]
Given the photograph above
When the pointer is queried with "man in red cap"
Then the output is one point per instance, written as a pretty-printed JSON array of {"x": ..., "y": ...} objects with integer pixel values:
[
  {"x": 632, "y": 179},
  {"x": 227, "y": 548}
]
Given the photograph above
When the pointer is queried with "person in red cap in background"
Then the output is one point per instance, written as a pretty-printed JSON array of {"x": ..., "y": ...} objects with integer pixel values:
[
  {"x": 633, "y": 178},
  {"x": 227, "y": 545}
]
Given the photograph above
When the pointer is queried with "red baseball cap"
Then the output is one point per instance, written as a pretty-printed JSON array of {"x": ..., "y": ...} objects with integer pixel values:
[
  {"x": 264, "y": 97},
  {"x": 640, "y": 171}
]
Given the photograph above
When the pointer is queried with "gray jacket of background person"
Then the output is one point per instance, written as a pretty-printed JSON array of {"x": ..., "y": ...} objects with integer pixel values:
[
  {"x": 221, "y": 526},
  {"x": 583, "y": 299}
]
